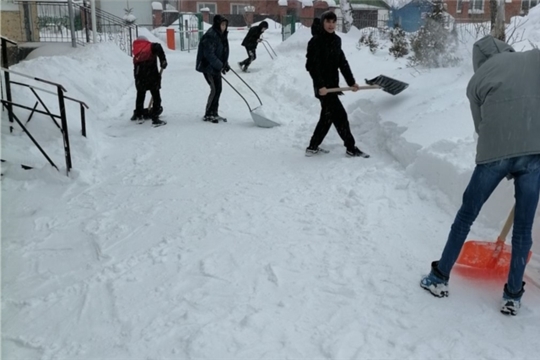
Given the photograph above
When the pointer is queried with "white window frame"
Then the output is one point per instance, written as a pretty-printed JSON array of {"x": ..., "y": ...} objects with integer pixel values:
[
  {"x": 202, "y": 5},
  {"x": 528, "y": 2},
  {"x": 238, "y": 6},
  {"x": 472, "y": 10}
]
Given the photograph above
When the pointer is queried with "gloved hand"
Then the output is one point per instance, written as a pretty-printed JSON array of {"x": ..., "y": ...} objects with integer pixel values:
[
  {"x": 164, "y": 65},
  {"x": 226, "y": 69}
]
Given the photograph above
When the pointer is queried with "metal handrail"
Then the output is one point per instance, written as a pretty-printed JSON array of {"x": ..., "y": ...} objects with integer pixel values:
[{"x": 61, "y": 103}]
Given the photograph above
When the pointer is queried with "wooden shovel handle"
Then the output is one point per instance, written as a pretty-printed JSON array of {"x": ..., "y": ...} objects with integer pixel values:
[
  {"x": 151, "y": 98},
  {"x": 507, "y": 226},
  {"x": 366, "y": 87}
]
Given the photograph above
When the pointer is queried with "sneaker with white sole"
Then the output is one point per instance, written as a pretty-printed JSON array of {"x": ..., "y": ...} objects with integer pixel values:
[
  {"x": 511, "y": 303},
  {"x": 310, "y": 151},
  {"x": 436, "y": 283},
  {"x": 356, "y": 152}
]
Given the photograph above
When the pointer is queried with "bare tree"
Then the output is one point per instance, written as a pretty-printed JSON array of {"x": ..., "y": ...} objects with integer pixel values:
[{"x": 497, "y": 8}]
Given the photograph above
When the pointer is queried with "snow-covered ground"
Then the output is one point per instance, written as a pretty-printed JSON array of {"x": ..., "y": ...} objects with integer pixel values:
[{"x": 197, "y": 240}]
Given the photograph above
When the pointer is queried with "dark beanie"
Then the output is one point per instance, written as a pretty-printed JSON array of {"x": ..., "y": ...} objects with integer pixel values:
[
  {"x": 264, "y": 24},
  {"x": 328, "y": 15}
]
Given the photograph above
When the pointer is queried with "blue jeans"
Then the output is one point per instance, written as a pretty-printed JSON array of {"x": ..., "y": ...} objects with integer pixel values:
[{"x": 526, "y": 173}]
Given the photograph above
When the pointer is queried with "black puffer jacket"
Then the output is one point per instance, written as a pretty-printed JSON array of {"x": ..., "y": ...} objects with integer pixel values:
[
  {"x": 213, "y": 51},
  {"x": 253, "y": 35},
  {"x": 325, "y": 59}
]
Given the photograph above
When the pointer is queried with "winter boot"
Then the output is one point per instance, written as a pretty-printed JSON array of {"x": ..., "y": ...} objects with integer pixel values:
[
  {"x": 136, "y": 116},
  {"x": 511, "y": 302},
  {"x": 310, "y": 151},
  {"x": 436, "y": 283},
  {"x": 356, "y": 152}
]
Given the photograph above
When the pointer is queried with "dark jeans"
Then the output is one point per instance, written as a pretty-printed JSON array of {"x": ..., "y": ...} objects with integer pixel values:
[
  {"x": 139, "y": 102},
  {"x": 215, "y": 83},
  {"x": 332, "y": 112},
  {"x": 485, "y": 178},
  {"x": 252, "y": 55}
]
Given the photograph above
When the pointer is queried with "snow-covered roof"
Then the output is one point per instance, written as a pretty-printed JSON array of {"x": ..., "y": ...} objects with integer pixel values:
[
  {"x": 157, "y": 6},
  {"x": 282, "y": 2}
]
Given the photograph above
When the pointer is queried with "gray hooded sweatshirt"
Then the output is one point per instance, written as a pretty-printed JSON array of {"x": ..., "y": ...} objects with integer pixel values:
[{"x": 504, "y": 94}]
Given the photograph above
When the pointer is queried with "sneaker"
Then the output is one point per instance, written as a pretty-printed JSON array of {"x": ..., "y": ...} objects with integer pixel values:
[
  {"x": 511, "y": 303},
  {"x": 310, "y": 151},
  {"x": 435, "y": 282},
  {"x": 158, "y": 122},
  {"x": 356, "y": 152},
  {"x": 208, "y": 118},
  {"x": 220, "y": 118}
]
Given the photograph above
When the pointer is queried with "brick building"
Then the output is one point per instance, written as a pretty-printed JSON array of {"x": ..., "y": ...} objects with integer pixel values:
[
  {"x": 479, "y": 10},
  {"x": 304, "y": 10}
]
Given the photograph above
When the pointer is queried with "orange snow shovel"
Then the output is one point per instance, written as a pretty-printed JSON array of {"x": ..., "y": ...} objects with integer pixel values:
[{"x": 489, "y": 256}]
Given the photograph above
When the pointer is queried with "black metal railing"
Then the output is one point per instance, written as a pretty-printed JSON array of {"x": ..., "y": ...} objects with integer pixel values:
[
  {"x": 9, "y": 104},
  {"x": 109, "y": 28},
  {"x": 52, "y": 24}
]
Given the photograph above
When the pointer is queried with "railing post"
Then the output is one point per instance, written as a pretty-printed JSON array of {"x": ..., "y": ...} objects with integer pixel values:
[
  {"x": 65, "y": 132},
  {"x": 83, "y": 121},
  {"x": 5, "y": 65}
]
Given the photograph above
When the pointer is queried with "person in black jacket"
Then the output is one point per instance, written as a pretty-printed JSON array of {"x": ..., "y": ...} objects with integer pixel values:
[
  {"x": 252, "y": 39},
  {"x": 324, "y": 61},
  {"x": 212, "y": 61},
  {"x": 147, "y": 77}
]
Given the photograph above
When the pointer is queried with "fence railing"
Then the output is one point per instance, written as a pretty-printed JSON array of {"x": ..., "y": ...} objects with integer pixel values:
[
  {"x": 9, "y": 104},
  {"x": 51, "y": 24}
]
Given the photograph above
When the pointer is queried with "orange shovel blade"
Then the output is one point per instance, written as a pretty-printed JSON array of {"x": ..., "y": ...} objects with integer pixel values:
[{"x": 485, "y": 255}]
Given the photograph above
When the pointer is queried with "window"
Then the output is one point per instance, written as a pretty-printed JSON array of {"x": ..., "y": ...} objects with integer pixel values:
[
  {"x": 211, "y": 6},
  {"x": 527, "y": 4},
  {"x": 459, "y": 6},
  {"x": 238, "y": 9},
  {"x": 476, "y": 6}
]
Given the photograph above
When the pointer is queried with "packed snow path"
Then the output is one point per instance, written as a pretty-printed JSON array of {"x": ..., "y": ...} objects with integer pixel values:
[{"x": 213, "y": 241}]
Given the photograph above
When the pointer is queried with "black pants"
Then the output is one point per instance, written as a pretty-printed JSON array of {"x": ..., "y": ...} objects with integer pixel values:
[
  {"x": 332, "y": 112},
  {"x": 139, "y": 102},
  {"x": 252, "y": 55},
  {"x": 215, "y": 83}
]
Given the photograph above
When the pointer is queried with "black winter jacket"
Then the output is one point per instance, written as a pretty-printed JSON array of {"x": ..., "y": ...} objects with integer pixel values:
[
  {"x": 146, "y": 73},
  {"x": 251, "y": 40},
  {"x": 213, "y": 51},
  {"x": 324, "y": 58}
]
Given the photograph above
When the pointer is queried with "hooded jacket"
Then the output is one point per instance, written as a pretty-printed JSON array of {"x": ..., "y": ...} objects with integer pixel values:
[
  {"x": 504, "y": 95},
  {"x": 250, "y": 42},
  {"x": 325, "y": 58},
  {"x": 213, "y": 50}
]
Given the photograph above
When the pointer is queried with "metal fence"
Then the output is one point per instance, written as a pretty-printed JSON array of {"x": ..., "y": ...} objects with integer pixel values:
[{"x": 52, "y": 24}]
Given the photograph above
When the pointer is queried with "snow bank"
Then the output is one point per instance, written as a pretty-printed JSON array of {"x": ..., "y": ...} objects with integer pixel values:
[
  {"x": 427, "y": 128},
  {"x": 108, "y": 73}
]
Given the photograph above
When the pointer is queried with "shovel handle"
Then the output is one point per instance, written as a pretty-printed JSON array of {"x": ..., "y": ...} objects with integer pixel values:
[
  {"x": 507, "y": 226},
  {"x": 366, "y": 87},
  {"x": 151, "y": 98}
]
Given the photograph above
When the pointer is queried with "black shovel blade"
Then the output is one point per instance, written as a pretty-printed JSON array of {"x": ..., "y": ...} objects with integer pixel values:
[{"x": 391, "y": 86}]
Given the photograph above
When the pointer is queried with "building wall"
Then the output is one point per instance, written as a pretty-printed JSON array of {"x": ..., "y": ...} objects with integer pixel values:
[
  {"x": 512, "y": 8},
  {"x": 12, "y": 22},
  {"x": 268, "y": 7}
]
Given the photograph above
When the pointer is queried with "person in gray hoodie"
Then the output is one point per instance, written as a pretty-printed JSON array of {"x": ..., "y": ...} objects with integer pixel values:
[{"x": 504, "y": 95}]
